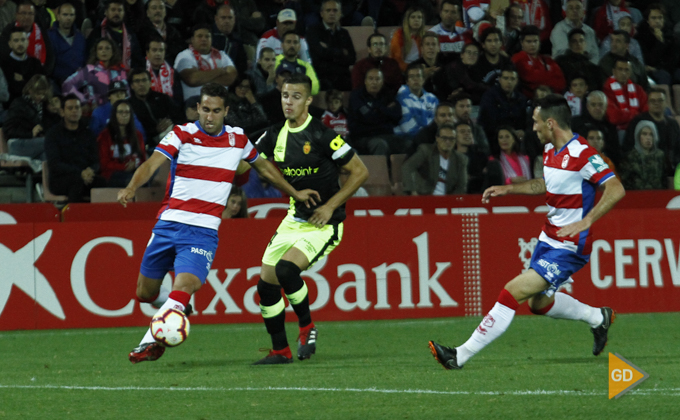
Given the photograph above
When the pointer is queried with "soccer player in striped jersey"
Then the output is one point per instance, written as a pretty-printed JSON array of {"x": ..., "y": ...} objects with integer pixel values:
[
  {"x": 572, "y": 172},
  {"x": 204, "y": 156},
  {"x": 311, "y": 156}
]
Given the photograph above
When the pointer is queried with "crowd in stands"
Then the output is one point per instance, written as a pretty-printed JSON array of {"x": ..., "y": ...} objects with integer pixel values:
[{"x": 92, "y": 86}]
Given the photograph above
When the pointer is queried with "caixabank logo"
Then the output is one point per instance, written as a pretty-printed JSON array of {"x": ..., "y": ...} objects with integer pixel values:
[{"x": 623, "y": 376}]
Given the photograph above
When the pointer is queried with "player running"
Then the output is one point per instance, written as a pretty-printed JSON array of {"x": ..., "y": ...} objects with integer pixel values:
[
  {"x": 204, "y": 158},
  {"x": 310, "y": 155},
  {"x": 572, "y": 171}
]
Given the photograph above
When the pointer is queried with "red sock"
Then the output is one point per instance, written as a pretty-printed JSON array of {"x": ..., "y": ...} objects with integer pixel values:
[
  {"x": 542, "y": 311},
  {"x": 507, "y": 299},
  {"x": 285, "y": 352},
  {"x": 180, "y": 296},
  {"x": 307, "y": 328}
]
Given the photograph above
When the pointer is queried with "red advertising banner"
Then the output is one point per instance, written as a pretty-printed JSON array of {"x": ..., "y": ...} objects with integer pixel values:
[{"x": 83, "y": 274}]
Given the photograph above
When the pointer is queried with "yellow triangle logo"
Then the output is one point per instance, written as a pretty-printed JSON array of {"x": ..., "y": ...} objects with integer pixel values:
[{"x": 623, "y": 376}]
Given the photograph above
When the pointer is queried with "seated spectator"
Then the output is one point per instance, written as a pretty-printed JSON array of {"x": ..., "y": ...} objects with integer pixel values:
[
  {"x": 191, "y": 108},
  {"x": 113, "y": 27},
  {"x": 596, "y": 141},
  {"x": 444, "y": 114},
  {"x": 335, "y": 117},
  {"x": 8, "y": 12},
  {"x": 515, "y": 165},
  {"x": 264, "y": 73},
  {"x": 666, "y": 127},
  {"x": 405, "y": 44},
  {"x": 156, "y": 111},
  {"x": 594, "y": 117},
  {"x": 459, "y": 75},
  {"x": 417, "y": 105},
  {"x": 603, "y": 20},
  {"x": 373, "y": 114},
  {"x": 121, "y": 146},
  {"x": 537, "y": 13},
  {"x": 452, "y": 38},
  {"x": 462, "y": 110},
  {"x": 576, "y": 95},
  {"x": 488, "y": 68},
  {"x": 250, "y": 23},
  {"x": 436, "y": 169},
  {"x": 163, "y": 76},
  {"x": 68, "y": 43},
  {"x": 72, "y": 155},
  {"x": 227, "y": 39},
  {"x": 244, "y": 110},
  {"x": 26, "y": 120},
  {"x": 535, "y": 69},
  {"x": 38, "y": 42},
  {"x": 285, "y": 22},
  {"x": 620, "y": 45},
  {"x": 201, "y": 63},
  {"x": 623, "y": 22},
  {"x": 331, "y": 48},
  {"x": 290, "y": 59},
  {"x": 625, "y": 98},
  {"x": 90, "y": 84},
  {"x": 100, "y": 116},
  {"x": 575, "y": 62},
  {"x": 429, "y": 61},
  {"x": 155, "y": 27},
  {"x": 257, "y": 187},
  {"x": 514, "y": 22},
  {"x": 237, "y": 204},
  {"x": 376, "y": 59},
  {"x": 561, "y": 40},
  {"x": 271, "y": 101},
  {"x": 481, "y": 173},
  {"x": 18, "y": 66},
  {"x": 643, "y": 168},
  {"x": 658, "y": 47},
  {"x": 503, "y": 104}
]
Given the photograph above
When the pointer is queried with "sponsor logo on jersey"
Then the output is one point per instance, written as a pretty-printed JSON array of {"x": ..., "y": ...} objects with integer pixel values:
[
  {"x": 565, "y": 161},
  {"x": 300, "y": 171},
  {"x": 197, "y": 140},
  {"x": 598, "y": 163},
  {"x": 307, "y": 148},
  {"x": 208, "y": 254}
]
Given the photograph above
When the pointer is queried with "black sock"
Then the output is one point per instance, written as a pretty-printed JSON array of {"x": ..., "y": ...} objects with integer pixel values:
[
  {"x": 273, "y": 313},
  {"x": 295, "y": 289}
]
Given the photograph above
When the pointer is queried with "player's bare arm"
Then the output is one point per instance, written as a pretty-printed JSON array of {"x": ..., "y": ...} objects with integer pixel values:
[
  {"x": 268, "y": 171},
  {"x": 142, "y": 176},
  {"x": 531, "y": 187},
  {"x": 612, "y": 192},
  {"x": 358, "y": 173}
]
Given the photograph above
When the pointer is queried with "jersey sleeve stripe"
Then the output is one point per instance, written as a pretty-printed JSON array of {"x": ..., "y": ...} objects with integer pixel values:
[
  {"x": 167, "y": 150},
  {"x": 205, "y": 173}
]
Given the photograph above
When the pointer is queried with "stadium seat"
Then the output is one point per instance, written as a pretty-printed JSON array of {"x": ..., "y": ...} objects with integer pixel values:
[
  {"x": 104, "y": 195},
  {"x": 17, "y": 167},
  {"x": 150, "y": 194},
  {"x": 47, "y": 194},
  {"x": 396, "y": 161},
  {"x": 378, "y": 182}
]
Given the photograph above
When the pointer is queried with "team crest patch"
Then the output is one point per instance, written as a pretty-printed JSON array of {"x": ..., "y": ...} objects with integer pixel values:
[
  {"x": 307, "y": 148},
  {"x": 598, "y": 163},
  {"x": 565, "y": 161},
  {"x": 232, "y": 139}
]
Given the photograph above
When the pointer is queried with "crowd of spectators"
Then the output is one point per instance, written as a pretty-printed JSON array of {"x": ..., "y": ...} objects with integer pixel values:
[{"x": 452, "y": 83}]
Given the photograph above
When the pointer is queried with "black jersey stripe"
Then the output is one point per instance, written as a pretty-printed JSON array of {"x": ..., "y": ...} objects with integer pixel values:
[{"x": 330, "y": 242}]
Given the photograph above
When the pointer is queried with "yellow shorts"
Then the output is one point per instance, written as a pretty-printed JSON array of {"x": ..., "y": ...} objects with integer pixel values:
[{"x": 314, "y": 242}]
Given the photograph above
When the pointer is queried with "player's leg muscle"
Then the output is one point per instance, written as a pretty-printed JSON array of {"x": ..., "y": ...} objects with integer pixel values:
[
  {"x": 147, "y": 288},
  {"x": 526, "y": 285}
]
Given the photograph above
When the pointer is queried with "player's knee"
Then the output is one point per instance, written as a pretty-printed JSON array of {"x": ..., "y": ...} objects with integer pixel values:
[
  {"x": 269, "y": 293},
  {"x": 287, "y": 272}
]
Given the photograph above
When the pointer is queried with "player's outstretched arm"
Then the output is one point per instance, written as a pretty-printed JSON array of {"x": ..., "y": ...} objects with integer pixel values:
[
  {"x": 268, "y": 171},
  {"x": 358, "y": 173},
  {"x": 531, "y": 187},
  {"x": 141, "y": 177},
  {"x": 613, "y": 191}
]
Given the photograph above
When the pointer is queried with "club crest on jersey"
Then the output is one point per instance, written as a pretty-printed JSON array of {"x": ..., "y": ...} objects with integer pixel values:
[
  {"x": 307, "y": 148},
  {"x": 232, "y": 140},
  {"x": 565, "y": 161}
]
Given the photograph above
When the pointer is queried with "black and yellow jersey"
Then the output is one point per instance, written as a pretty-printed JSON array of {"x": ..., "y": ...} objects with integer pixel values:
[{"x": 309, "y": 156}]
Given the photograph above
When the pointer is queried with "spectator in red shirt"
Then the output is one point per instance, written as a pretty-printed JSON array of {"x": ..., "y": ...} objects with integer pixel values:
[
  {"x": 535, "y": 69},
  {"x": 603, "y": 21}
]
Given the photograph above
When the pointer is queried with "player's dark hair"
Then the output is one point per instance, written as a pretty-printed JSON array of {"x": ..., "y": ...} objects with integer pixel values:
[
  {"x": 626, "y": 35},
  {"x": 300, "y": 79},
  {"x": 489, "y": 31},
  {"x": 556, "y": 107},
  {"x": 447, "y": 126},
  {"x": 216, "y": 91},
  {"x": 575, "y": 31},
  {"x": 528, "y": 31}
]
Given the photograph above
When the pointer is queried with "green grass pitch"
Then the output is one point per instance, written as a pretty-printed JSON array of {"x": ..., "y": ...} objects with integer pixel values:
[{"x": 540, "y": 368}]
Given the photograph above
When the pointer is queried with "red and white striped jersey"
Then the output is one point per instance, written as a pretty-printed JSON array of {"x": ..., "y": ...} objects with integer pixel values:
[
  {"x": 202, "y": 171},
  {"x": 571, "y": 176},
  {"x": 452, "y": 42}
]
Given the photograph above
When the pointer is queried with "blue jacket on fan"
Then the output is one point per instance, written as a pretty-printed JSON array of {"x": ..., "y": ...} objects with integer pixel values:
[{"x": 68, "y": 57}]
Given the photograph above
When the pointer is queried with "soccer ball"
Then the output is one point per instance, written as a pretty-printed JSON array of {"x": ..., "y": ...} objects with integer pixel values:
[{"x": 170, "y": 328}]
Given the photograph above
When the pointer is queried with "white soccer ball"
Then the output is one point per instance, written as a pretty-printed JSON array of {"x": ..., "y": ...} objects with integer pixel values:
[{"x": 170, "y": 328}]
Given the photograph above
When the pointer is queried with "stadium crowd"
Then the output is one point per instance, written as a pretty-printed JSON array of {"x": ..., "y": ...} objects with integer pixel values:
[{"x": 91, "y": 86}]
